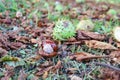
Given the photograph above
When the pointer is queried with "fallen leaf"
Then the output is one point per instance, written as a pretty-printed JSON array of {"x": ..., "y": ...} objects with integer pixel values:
[
  {"x": 8, "y": 73},
  {"x": 16, "y": 45},
  {"x": 115, "y": 56},
  {"x": 89, "y": 35},
  {"x": 71, "y": 70},
  {"x": 99, "y": 45},
  {"x": 6, "y": 21},
  {"x": 42, "y": 23},
  {"x": 8, "y": 58},
  {"x": 57, "y": 66},
  {"x": 22, "y": 75},
  {"x": 23, "y": 39},
  {"x": 41, "y": 71},
  {"x": 34, "y": 41},
  {"x": 75, "y": 42},
  {"x": 34, "y": 58},
  {"x": 84, "y": 56},
  {"x": 108, "y": 74},
  {"x": 7, "y": 41},
  {"x": 118, "y": 44},
  {"x": 3, "y": 52}
]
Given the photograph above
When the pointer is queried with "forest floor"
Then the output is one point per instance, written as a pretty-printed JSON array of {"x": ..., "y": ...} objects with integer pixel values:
[{"x": 29, "y": 50}]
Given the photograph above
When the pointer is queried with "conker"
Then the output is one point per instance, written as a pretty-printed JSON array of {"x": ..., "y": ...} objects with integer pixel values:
[{"x": 49, "y": 48}]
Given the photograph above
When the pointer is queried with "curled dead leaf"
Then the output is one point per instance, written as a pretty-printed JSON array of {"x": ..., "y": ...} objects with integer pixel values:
[
  {"x": 99, "y": 44},
  {"x": 8, "y": 73},
  {"x": 22, "y": 75},
  {"x": 115, "y": 56},
  {"x": 34, "y": 58},
  {"x": 118, "y": 44},
  {"x": 3, "y": 52},
  {"x": 6, "y": 21},
  {"x": 89, "y": 35},
  {"x": 71, "y": 70},
  {"x": 23, "y": 39},
  {"x": 41, "y": 71},
  {"x": 34, "y": 41},
  {"x": 42, "y": 23},
  {"x": 46, "y": 64},
  {"x": 57, "y": 66},
  {"x": 108, "y": 74},
  {"x": 16, "y": 45},
  {"x": 45, "y": 70},
  {"x": 84, "y": 56}
]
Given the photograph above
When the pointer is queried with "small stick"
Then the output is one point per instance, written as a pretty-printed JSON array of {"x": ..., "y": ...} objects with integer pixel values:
[{"x": 107, "y": 65}]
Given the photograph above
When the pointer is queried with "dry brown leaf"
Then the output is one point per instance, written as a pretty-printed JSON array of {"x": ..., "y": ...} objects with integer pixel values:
[
  {"x": 99, "y": 45},
  {"x": 83, "y": 56},
  {"x": 42, "y": 23},
  {"x": 16, "y": 45},
  {"x": 118, "y": 44},
  {"x": 115, "y": 56},
  {"x": 7, "y": 41},
  {"x": 41, "y": 71},
  {"x": 108, "y": 74},
  {"x": 22, "y": 75},
  {"x": 46, "y": 64},
  {"x": 6, "y": 21},
  {"x": 89, "y": 35},
  {"x": 23, "y": 39},
  {"x": 34, "y": 58},
  {"x": 34, "y": 41},
  {"x": 57, "y": 66},
  {"x": 75, "y": 42},
  {"x": 3, "y": 52},
  {"x": 8, "y": 73},
  {"x": 71, "y": 70}
]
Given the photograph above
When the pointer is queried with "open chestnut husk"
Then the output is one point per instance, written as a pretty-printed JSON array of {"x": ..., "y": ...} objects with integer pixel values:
[{"x": 49, "y": 49}]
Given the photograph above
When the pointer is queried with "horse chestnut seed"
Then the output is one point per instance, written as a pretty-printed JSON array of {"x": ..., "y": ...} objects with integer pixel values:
[{"x": 49, "y": 48}]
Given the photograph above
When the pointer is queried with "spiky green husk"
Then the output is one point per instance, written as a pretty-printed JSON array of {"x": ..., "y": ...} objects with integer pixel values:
[{"x": 63, "y": 30}]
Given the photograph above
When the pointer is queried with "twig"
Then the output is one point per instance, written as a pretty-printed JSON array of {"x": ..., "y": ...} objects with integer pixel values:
[{"x": 107, "y": 65}]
